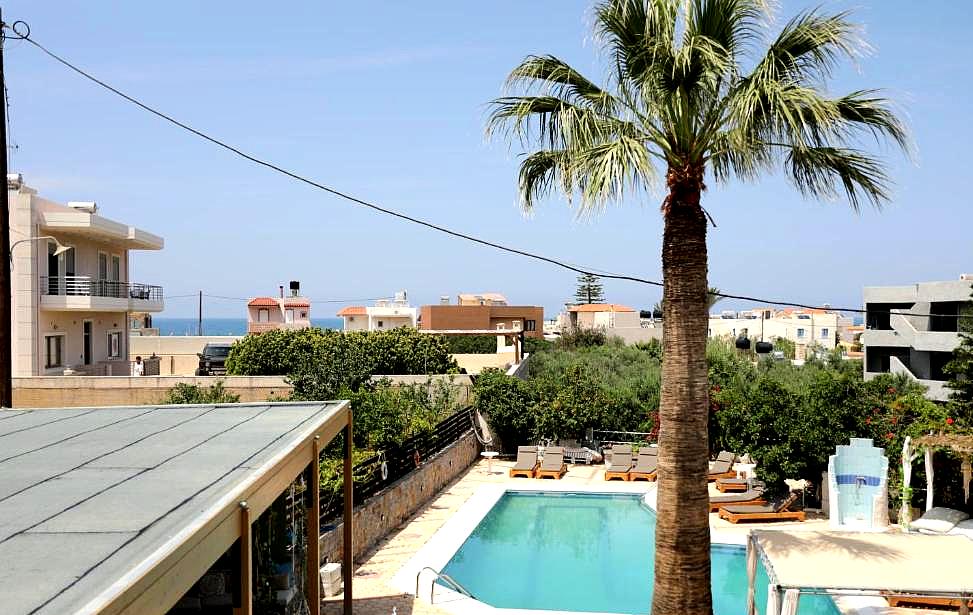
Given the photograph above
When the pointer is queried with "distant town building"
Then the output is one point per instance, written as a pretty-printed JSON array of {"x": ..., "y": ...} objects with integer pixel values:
[
  {"x": 914, "y": 329},
  {"x": 615, "y": 320},
  {"x": 481, "y": 299},
  {"x": 269, "y": 313},
  {"x": 71, "y": 289},
  {"x": 804, "y": 327},
  {"x": 482, "y": 312},
  {"x": 385, "y": 314},
  {"x": 140, "y": 323}
]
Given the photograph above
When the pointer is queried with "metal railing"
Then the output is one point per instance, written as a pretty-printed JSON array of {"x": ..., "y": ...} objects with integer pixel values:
[
  {"x": 381, "y": 470},
  {"x": 450, "y": 581},
  {"x": 85, "y": 286}
]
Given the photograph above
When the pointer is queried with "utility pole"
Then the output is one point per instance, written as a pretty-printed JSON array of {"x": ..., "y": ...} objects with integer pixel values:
[
  {"x": 199, "y": 324},
  {"x": 6, "y": 265}
]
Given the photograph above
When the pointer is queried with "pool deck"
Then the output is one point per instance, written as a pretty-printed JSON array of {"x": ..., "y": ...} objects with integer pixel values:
[{"x": 385, "y": 577}]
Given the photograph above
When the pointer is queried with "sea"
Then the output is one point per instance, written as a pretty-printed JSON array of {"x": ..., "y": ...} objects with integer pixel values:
[{"x": 221, "y": 326}]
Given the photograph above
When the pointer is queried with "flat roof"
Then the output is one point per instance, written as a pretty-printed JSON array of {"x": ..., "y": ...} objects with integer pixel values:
[
  {"x": 854, "y": 561},
  {"x": 123, "y": 508}
]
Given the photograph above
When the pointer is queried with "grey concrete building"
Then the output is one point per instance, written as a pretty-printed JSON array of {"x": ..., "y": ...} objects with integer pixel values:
[{"x": 913, "y": 330}]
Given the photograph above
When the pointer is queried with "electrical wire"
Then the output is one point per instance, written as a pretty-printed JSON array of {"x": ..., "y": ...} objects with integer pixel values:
[{"x": 22, "y": 32}]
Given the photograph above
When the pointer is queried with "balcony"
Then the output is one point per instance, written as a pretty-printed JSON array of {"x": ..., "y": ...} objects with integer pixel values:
[{"x": 84, "y": 294}]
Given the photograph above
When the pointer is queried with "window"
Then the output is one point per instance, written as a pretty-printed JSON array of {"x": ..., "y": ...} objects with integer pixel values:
[
  {"x": 530, "y": 325},
  {"x": 114, "y": 344},
  {"x": 116, "y": 268},
  {"x": 55, "y": 351},
  {"x": 800, "y": 333},
  {"x": 303, "y": 315},
  {"x": 380, "y": 324},
  {"x": 824, "y": 333},
  {"x": 102, "y": 266},
  {"x": 263, "y": 315},
  {"x": 501, "y": 326},
  {"x": 351, "y": 319},
  {"x": 289, "y": 315}
]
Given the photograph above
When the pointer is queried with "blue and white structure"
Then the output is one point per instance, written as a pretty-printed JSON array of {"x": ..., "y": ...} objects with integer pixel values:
[{"x": 858, "y": 482}]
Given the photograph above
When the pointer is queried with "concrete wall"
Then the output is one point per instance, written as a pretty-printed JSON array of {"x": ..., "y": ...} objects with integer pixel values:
[
  {"x": 82, "y": 391},
  {"x": 471, "y": 317},
  {"x": 635, "y": 335},
  {"x": 178, "y": 353},
  {"x": 476, "y": 363},
  {"x": 393, "y": 506}
]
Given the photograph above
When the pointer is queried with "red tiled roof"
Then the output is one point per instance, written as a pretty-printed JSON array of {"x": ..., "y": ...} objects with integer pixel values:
[
  {"x": 263, "y": 302},
  {"x": 600, "y": 307},
  {"x": 353, "y": 310},
  {"x": 297, "y": 302}
]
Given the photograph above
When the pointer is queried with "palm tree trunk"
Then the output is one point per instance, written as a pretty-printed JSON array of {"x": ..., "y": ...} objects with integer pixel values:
[{"x": 682, "y": 556}]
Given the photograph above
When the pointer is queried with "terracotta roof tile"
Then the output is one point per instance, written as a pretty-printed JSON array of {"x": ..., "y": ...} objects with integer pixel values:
[
  {"x": 353, "y": 310},
  {"x": 263, "y": 302}
]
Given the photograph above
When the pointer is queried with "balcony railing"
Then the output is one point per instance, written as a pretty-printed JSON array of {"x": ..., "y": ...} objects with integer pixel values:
[{"x": 84, "y": 286}]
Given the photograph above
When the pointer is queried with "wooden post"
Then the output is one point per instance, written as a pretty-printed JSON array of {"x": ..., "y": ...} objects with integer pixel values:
[
  {"x": 246, "y": 561},
  {"x": 314, "y": 531},
  {"x": 347, "y": 565}
]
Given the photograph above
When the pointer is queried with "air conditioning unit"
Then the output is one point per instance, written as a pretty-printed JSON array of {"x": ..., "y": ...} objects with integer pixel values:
[{"x": 89, "y": 207}]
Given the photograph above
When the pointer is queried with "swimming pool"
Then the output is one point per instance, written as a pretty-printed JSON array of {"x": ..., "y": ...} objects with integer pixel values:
[{"x": 588, "y": 553}]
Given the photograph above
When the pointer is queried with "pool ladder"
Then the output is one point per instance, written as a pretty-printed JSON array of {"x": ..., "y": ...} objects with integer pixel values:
[{"x": 445, "y": 577}]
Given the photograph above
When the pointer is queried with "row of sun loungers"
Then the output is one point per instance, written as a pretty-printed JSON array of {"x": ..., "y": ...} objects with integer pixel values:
[
  {"x": 552, "y": 465},
  {"x": 622, "y": 466}
]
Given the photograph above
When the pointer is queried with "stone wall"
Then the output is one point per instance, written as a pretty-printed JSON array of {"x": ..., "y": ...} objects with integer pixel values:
[
  {"x": 393, "y": 506},
  {"x": 78, "y": 391}
]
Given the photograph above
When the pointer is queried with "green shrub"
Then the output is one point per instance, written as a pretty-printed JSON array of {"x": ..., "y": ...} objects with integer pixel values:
[
  {"x": 184, "y": 393},
  {"x": 581, "y": 338},
  {"x": 472, "y": 344}
]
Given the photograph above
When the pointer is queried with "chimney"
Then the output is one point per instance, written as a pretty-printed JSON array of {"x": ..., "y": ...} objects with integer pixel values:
[
  {"x": 281, "y": 291},
  {"x": 295, "y": 288}
]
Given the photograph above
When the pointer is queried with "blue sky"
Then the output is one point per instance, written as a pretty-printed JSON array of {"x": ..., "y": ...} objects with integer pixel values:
[{"x": 387, "y": 100}]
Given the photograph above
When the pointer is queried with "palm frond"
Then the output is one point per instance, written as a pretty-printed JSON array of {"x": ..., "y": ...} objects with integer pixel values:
[
  {"x": 562, "y": 81},
  {"x": 542, "y": 171},
  {"x": 866, "y": 110},
  {"x": 819, "y": 172},
  {"x": 810, "y": 46},
  {"x": 638, "y": 35},
  {"x": 557, "y": 123},
  {"x": 608, "y": 171},
  {"x": 734, "y": 25}
]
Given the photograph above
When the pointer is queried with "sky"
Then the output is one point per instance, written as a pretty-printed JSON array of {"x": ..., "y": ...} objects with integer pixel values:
[{"x": 387, "y": 101}]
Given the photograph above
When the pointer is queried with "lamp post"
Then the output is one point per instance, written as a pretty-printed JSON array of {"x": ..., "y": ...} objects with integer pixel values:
[{"x": 6, "y": 378}]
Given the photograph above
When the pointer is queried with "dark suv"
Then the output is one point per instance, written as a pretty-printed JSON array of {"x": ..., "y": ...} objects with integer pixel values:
[{"x": 212, "y": 361}]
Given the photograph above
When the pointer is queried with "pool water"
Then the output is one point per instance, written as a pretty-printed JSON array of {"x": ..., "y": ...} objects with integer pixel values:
[{"x": 587, "y": 553}]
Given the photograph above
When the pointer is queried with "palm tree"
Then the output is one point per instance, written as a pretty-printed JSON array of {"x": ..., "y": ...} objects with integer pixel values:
[
  {"x": 713, "y": 297},
  {"x": 697, "y": 90}
]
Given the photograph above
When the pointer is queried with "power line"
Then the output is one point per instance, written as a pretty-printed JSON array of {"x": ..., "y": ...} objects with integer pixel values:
[{"x": 22, "y": 31}]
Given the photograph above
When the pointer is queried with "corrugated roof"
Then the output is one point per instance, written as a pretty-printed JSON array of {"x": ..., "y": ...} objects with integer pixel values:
[
  {"x": 600, "y": 307},
  {"x": 94, "y": 501},
  {"x": 353, "y": 310}
]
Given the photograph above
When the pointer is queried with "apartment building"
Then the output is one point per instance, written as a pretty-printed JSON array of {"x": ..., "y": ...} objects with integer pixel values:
[
  {"x": 804, "y": 327},
  {"x": 914, "y": 329},
  {"x": 269, "y": 313},
  {"x": 72, "y": 294},
  {"x": 493, "y": 314},
  {"x": 385, "y": 314}
]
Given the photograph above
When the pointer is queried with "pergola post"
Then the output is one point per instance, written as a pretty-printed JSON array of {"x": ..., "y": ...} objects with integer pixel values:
[
  {"x": 313, "y": 563},
  {"x": 929, "y": 476},
  {"x": 347, "y": 566},
  {"x": 967, "y": 469},
  {"x": 246, "y": 561}
]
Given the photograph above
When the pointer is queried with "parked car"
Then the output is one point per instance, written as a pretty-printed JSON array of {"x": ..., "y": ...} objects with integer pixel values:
[{"x": 212, "y": 361}]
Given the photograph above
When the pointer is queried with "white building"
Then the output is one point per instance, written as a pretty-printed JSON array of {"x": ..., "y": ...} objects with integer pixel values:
[
  {"x": 385, "y": 314},
  {"x": 615, "y": 320},
  {"x": 72, "y": 294},
  {"x": 914, "y": 329},
  {"x": 804, "y": 327}
]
